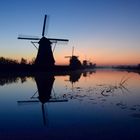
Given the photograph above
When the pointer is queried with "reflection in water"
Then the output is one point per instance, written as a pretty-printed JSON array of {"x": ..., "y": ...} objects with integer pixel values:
[
  {"x": 9, "y": 79},
  {"x": 136, "y": 115},
  {"x": 97, "y": 100},
  {"x": 107, "y": 89},
  {"x": 74, "y": 76},
  {"x": 44, "y": 89},
  {"x": 44, "y": 86}
]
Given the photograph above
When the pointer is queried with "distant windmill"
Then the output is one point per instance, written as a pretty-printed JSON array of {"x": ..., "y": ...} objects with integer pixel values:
[
  {"x": 74, "y": 61},
  {"x": 44, "y": 58}
]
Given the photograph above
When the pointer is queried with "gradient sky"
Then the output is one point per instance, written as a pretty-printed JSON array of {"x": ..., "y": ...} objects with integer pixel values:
[{"x": 102, "y": 31}]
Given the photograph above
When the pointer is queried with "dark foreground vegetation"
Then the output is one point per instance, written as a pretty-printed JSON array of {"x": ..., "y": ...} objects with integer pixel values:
[
  {"x": 8, "y": 64},
  {"x": 9, "y": 61},
  {"x": 11, "y": 65}
]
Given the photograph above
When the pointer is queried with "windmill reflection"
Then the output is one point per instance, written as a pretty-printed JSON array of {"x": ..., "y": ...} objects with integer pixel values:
[
  {"x": 74, "y": 76},
  {"x": 44, "y": 89},
  {"x": 44, "y": 86}
]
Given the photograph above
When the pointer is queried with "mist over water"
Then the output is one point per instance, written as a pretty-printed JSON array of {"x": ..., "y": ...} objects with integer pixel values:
[{"x": 101, "y": 104}]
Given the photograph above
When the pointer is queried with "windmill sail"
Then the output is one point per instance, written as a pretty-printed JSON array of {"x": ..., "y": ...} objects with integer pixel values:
[
  {"x": 27, "y": 37},
  {"x": 44, "y": 25}
]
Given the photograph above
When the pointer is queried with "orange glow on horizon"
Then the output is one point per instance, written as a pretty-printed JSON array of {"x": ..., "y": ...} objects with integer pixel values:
[
  {"x": 99, "y": 59},
  {"x": 95, "y": 53}
]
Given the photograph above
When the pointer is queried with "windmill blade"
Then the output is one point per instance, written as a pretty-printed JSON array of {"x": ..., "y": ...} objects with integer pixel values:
[
  {"x": 27, "y": 102},
  {"x": 72, "y": 50},
  {"x": 44, "y": 25},
  {"x": 67, "y": 56},
  {"x": 56, "y": 40},
  {"x": 26, "y": 37},
  {"x": 37, "y": 101}
]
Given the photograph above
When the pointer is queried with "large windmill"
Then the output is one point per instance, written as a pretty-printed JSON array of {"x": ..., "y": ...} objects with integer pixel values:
[{"x": 44, "y": 58}]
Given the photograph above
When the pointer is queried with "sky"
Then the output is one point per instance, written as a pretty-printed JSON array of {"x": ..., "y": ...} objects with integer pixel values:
[{"x": 106, "y": 32}]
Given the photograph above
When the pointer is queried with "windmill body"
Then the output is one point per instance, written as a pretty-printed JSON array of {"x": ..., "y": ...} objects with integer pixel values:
[{"x": 45, "y": 55}]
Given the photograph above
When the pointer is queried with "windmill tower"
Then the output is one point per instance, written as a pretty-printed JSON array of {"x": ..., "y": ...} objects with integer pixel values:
[{"x": 44, "y": 58}]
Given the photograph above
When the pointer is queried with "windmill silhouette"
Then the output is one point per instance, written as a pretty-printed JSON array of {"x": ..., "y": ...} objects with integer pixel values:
[
  {"x": 44, "y": 58},
  {"x": 74, "y": 61}
]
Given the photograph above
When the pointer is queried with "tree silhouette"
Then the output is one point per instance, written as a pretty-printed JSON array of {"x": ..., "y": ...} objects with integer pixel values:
[
  {"x": 7, "y": 61},
  {"x": 23, "y": 61}
]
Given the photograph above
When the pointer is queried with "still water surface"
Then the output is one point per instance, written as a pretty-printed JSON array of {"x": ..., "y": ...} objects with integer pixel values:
[{"x": 83, "y": 105}]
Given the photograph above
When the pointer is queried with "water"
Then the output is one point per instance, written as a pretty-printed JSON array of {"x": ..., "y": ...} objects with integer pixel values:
[{"x": 92, "y": 105}]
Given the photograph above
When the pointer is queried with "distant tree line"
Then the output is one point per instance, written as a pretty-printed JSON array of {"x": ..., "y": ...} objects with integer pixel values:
[
  {"x": 129, "y": 67},
  {"x": 10, "y": 61}
]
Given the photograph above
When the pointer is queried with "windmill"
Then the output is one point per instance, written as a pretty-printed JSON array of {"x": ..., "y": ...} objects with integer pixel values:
[
  {"x": 44, "y": 58},
  {"x": 74, "y": 61}
]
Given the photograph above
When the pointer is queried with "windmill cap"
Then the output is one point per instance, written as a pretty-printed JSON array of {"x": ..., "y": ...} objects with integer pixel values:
[{"x": 44, "y": 40}]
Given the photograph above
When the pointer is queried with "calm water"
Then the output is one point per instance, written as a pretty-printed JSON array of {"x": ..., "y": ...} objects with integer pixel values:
[{"x": 95, "y": 105}]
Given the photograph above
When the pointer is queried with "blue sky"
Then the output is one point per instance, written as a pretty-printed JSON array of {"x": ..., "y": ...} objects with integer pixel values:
[{"x": 104, "y": 31}]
